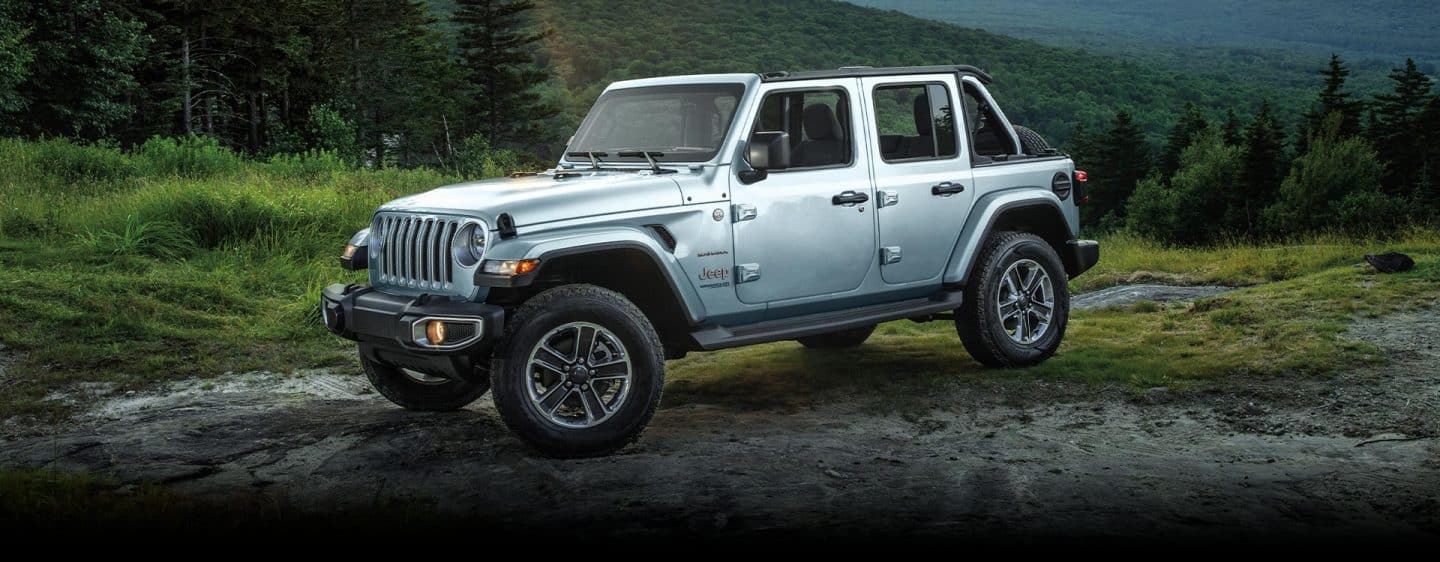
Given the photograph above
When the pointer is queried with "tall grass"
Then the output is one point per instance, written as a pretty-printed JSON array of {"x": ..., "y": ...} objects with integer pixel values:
[
  {"x": 178, "y": 258},
  {"x": 53, "y": 189}
]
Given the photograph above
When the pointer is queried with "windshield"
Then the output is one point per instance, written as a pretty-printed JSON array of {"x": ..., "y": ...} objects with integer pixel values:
[{"x": 673, "y": 123}]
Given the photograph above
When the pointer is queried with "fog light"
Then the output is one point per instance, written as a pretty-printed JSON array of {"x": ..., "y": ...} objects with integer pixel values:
[{"x": 435, "y": 332}]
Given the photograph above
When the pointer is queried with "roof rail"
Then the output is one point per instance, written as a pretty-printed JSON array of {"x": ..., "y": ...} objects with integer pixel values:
[{"x": 855, "y": 71}]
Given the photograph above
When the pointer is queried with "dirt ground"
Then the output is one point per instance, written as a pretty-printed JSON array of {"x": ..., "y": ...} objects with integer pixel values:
[{"x": 1353, "y": 456}]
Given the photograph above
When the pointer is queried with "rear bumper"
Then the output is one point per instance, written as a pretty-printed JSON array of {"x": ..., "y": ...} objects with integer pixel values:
[
  {"x": 1080, "y": 256},
  {"x": 390, "y": 329}
]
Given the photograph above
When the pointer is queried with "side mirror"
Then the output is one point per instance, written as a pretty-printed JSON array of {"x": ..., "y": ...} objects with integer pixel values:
[{"x": 768, "y": 150}]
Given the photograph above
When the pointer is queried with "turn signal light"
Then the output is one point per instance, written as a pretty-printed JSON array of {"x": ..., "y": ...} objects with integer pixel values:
[
  {"x": 510, "y": 267},
  {"x": 435, "y": 332}
]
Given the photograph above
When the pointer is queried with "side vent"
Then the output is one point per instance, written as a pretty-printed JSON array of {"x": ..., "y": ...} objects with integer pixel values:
[
  {"x": 505, "y": 225},
  {"x": 664, "y": 235}
]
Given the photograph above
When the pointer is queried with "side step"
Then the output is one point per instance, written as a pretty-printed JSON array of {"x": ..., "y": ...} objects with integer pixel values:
[{"x": 720, "y": 337}]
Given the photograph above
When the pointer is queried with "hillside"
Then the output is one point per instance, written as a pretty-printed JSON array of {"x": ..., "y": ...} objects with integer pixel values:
[
  {"x": 1280, "y": 43},
  {"x": 1389, "y": 29},
  {"x": 1051, "y": 89}
]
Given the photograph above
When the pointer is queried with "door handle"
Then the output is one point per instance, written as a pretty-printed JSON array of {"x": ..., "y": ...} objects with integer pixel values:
[
  {"x": 946, "y": 188},
  {"x": 849, "y": 198}
]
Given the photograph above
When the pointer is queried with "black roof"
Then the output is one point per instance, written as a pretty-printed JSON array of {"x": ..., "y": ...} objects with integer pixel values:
[{"x": 856, "y": 71}]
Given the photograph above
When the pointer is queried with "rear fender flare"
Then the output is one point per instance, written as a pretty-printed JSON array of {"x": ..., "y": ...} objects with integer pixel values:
[{"x": 984, "y": 215}]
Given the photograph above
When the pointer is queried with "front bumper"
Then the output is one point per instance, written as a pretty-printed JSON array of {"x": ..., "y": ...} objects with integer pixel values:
[
  {"x": 1080, "y": 256},
  {"x": 385, "y": 327}
]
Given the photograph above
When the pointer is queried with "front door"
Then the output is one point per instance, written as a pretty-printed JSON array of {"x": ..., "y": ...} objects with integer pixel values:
[
  {"x": 923, "y": 179},
  {"x": 808, "y": 230}
]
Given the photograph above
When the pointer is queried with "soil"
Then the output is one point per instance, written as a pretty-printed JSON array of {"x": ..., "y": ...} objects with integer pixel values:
[{"x": 1350, "y": 456}]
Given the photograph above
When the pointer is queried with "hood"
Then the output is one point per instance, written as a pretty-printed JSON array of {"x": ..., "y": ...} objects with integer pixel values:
[{"x": 538, "y": 199}]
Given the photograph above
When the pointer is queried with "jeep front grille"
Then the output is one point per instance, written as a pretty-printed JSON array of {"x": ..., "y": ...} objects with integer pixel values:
[{"x": 415, "y": 251}]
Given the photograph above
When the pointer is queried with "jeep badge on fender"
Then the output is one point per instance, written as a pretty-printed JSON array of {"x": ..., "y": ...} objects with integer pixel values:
[{"x": 564, "y": 293}]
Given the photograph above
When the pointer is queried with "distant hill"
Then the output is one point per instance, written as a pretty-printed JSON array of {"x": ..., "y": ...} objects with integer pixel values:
[
  {"x": 1280, "y": 43},
  {"x": 1049, "y": 88},
  {"x": 1360, "y": 29}
]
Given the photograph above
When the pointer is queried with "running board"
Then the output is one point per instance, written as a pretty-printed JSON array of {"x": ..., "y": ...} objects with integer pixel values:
[{"x": 720, "y": 337}]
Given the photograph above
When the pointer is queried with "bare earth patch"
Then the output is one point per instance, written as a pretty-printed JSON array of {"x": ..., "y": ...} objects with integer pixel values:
[{"x": 1350, "y": 456}]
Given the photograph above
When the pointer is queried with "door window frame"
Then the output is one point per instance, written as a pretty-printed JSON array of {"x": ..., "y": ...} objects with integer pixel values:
[
  {"x": 844, "y": 94},
  {"x": 955, "y": 116}
]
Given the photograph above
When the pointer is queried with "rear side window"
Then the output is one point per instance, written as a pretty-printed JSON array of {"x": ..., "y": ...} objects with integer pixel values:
[
  {"x": 818, "y": 122},
  {"x": 915, "y": 122},
  {"x": 987, "y": 133}
]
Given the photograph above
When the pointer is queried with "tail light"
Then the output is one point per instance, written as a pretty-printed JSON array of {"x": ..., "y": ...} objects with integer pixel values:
[{"x": 1081, "y": 197}]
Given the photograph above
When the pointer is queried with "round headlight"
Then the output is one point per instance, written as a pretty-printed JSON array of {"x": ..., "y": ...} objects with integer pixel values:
[{"x": 469, "y": 246}]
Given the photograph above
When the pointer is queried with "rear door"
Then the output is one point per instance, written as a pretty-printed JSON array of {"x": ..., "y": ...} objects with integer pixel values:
[
  {"x": 793, "y": 237},
  {"x": 923, "y": 181}
]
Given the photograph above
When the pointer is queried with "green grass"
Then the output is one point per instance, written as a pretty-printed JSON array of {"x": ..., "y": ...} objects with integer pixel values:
[
  {"x": 181, "y": 260},
  {"x": 177, "y": 260}
]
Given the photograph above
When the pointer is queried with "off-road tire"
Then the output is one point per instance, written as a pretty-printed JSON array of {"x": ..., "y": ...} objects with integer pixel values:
[
  {"x": 557, "y": 307},
  {"x": 411, "y": 394},
  {"x": 978, "y": 323},
  {"x": 1031, "y": 142},
  {"x": 838, "y": 340}
]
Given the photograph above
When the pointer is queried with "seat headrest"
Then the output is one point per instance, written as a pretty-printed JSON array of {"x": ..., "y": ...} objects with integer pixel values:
[
  {"x": 923, "y": 119},
  {"x": 820, "y": 122}
]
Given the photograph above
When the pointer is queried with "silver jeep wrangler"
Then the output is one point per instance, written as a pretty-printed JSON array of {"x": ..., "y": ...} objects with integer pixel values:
[{"x": 695, "y": 213}]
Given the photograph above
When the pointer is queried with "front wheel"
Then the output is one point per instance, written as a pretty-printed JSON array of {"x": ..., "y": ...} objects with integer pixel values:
[
  {"x": 1016, "y": 304},
  {"x": 579, "y": 373}
]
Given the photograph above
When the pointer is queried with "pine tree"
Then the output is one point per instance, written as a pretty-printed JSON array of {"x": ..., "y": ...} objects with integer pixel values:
[
  {"x": 497, "y": 45},
  {"x": 1332, "y": 99},
  {"x": 1123, "y": 160},
  {"x": 1231, "y": 133},
  {"x": 1190, "y": 126},
  {"x": 392, "y": 76},
  {"x": 1264, "y": 166},
  {"x": 1426, "y": 194},
  {"x": 1396, "y": 132}
]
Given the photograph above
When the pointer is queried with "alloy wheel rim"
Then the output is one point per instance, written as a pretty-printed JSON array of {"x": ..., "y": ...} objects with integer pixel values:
[
  {"x": 578, "y": 375},
  {"x": 1025, "y": 302}
]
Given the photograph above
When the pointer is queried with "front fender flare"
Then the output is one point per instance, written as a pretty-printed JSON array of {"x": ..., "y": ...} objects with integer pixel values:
[
  {"x": 548, "y": 246},
  {"x": 983, "y": 215}
]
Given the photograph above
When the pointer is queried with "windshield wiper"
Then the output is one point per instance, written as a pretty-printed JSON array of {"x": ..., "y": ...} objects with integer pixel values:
[
  {"x": 650, "y": 156},
  {"x": 592, "y": 155}
]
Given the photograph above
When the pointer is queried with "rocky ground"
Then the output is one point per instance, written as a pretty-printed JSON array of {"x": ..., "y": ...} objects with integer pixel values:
[{"x": 1354, "y": 456}]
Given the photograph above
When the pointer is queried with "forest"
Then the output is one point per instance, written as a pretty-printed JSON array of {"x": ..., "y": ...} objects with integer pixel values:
[{"x": 480, "y": 88}]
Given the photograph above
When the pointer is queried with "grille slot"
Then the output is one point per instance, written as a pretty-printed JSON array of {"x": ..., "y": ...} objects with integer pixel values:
[{"x": 415, "y": 250}]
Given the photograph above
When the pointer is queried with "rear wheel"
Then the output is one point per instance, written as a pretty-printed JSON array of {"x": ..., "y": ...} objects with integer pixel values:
[
  {"x": 1016, "y": 304},
  {"x": 837, "y": 340},
  {"x": 579, "y": 373},
  {"x": 418, "y": 391}
]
